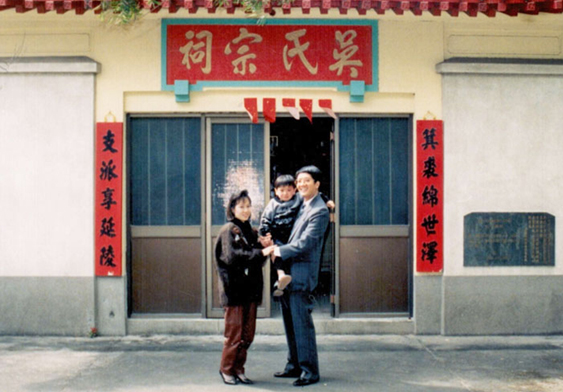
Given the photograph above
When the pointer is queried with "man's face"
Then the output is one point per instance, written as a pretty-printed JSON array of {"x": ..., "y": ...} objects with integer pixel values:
[
  {"x": 307, "y": 186},
  {"x": 285, "y": 192}
]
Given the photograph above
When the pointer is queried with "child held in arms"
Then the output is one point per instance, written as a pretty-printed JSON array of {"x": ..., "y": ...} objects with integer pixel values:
[{"x": 278, "y": 219}]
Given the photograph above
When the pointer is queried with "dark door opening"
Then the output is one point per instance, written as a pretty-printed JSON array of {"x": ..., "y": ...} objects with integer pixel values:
[{"x": 294, "y": 144}]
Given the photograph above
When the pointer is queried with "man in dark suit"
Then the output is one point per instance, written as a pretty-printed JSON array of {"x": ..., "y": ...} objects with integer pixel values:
[{"x": 303, "y": 251}]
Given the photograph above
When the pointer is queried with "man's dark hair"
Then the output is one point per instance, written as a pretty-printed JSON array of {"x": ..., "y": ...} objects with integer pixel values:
[
  {"x": 233, "y": 201},
  {"x": 283, "y": 180},
  {"x": 314, "y": 171}
]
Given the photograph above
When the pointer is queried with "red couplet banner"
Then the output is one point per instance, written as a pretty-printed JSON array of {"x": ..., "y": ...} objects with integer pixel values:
[
  {"x": 219, "y": 52},
  {"x": 108, "y": 219},
  {"x": 430, "y": 196}
]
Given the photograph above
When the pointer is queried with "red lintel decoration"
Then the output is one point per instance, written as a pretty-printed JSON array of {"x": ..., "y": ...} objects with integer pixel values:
[
  {"x": 326, "y": 105},
  {"x": 430, "y": 196},
  {"x": 108, "y": 199},
  {"x": 251, "y": 107},
  {"x": 307, "y": 107},
  {"x": 290, "y": 104},
  {"x": 269, "y": 109}
]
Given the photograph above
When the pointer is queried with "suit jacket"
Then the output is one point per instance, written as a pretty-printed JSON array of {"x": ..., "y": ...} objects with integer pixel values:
[{"x": 305, "y": 245}]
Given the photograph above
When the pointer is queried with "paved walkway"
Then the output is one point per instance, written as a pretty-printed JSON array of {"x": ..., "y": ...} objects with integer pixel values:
[{"x": 165, "y": 363}]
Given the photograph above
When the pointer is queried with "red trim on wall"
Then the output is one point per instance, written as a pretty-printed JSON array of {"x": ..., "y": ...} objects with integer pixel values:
[
  {"x": 430, "y": 196},
  {"x": 109, "y": 190}
]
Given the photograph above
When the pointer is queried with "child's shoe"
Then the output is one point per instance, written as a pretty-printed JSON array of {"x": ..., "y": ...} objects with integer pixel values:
[{"x": 281, "y": 284}]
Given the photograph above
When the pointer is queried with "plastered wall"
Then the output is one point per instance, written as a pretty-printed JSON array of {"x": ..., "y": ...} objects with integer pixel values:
[
  {"x": 46, "y": 187},
  {"x": 409, "y": 49}
]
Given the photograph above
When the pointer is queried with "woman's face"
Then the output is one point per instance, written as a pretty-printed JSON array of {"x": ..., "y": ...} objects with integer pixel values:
[{"x": 242, "y": 210}]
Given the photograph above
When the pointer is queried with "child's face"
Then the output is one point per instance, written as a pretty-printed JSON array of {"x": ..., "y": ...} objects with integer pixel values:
[{"x": 285, "y": 192}]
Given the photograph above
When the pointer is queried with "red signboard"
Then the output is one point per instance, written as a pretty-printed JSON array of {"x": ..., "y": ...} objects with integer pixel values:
[
  {"x": 249, "y": 52},
  {"x": 430, "y": 196},
  {"x": 108, "y": 219}
]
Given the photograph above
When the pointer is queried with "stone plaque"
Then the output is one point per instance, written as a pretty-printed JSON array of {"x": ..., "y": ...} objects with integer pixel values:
[{"x": 509, "y": 239}]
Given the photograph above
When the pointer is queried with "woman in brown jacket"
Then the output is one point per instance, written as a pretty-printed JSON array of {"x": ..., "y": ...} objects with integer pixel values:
[{"x": 239, "y": 259}]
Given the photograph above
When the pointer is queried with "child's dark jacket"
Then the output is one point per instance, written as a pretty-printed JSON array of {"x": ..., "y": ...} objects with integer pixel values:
[{"x": 278, "y": 218}]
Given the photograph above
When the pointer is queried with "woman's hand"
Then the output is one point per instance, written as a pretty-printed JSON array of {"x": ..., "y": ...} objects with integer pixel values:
[{"x": 268, "y": 250}]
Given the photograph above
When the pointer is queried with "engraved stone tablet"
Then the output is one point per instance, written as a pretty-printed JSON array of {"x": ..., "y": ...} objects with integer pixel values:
[{"x": 509, "y": 239}]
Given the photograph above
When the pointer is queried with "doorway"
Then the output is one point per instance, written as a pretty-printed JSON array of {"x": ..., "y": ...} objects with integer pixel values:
[
  {"x": 293, "y": 145},
  {"x": 181, "y": 169},
  {"x": 164, "y": 216}
]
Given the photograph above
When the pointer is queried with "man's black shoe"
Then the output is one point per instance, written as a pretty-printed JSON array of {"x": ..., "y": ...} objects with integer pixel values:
[
  {"x": 301, "y": 382},
  {"x": 288, "y": 374}
]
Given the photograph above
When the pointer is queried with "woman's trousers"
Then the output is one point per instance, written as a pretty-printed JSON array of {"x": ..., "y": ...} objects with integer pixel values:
[{"x": 240, "y": 326}]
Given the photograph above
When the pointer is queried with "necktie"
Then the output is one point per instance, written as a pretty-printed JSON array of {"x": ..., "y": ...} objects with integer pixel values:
[
  {"x": 300, "y": 211},
  {"x": 299, "y": 216}
]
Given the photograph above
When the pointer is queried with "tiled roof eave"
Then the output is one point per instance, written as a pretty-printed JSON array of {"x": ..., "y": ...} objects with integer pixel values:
[{"x": 397, "y": 7}]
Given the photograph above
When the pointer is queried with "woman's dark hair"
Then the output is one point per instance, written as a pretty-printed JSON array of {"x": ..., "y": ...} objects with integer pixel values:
[
  {"x": 283, "y": 180},
  {"x": 314, "y": 171},
  {"x": 233, "y": 201}
]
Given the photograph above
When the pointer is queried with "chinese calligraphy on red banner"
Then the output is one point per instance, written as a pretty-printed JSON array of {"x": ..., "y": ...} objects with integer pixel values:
[
  {"x": 430, "y": 196},
  {"x": 245, "y": 52},
  {"x": 108, "y": 219}
]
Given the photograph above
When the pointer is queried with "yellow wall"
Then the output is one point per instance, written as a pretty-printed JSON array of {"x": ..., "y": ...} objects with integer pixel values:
[{"x": 410, "y": 47}]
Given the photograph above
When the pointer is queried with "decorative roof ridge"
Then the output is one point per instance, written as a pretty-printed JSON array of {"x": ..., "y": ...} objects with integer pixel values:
[{"x": 398, "y": 7}]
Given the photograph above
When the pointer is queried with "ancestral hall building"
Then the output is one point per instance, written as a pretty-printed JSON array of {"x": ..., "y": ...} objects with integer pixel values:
[{"x": 437, "y": 126}]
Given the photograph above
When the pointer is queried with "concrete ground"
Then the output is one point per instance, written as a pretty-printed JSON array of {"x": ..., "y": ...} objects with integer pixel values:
[{"x": 167, "y": 363}]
